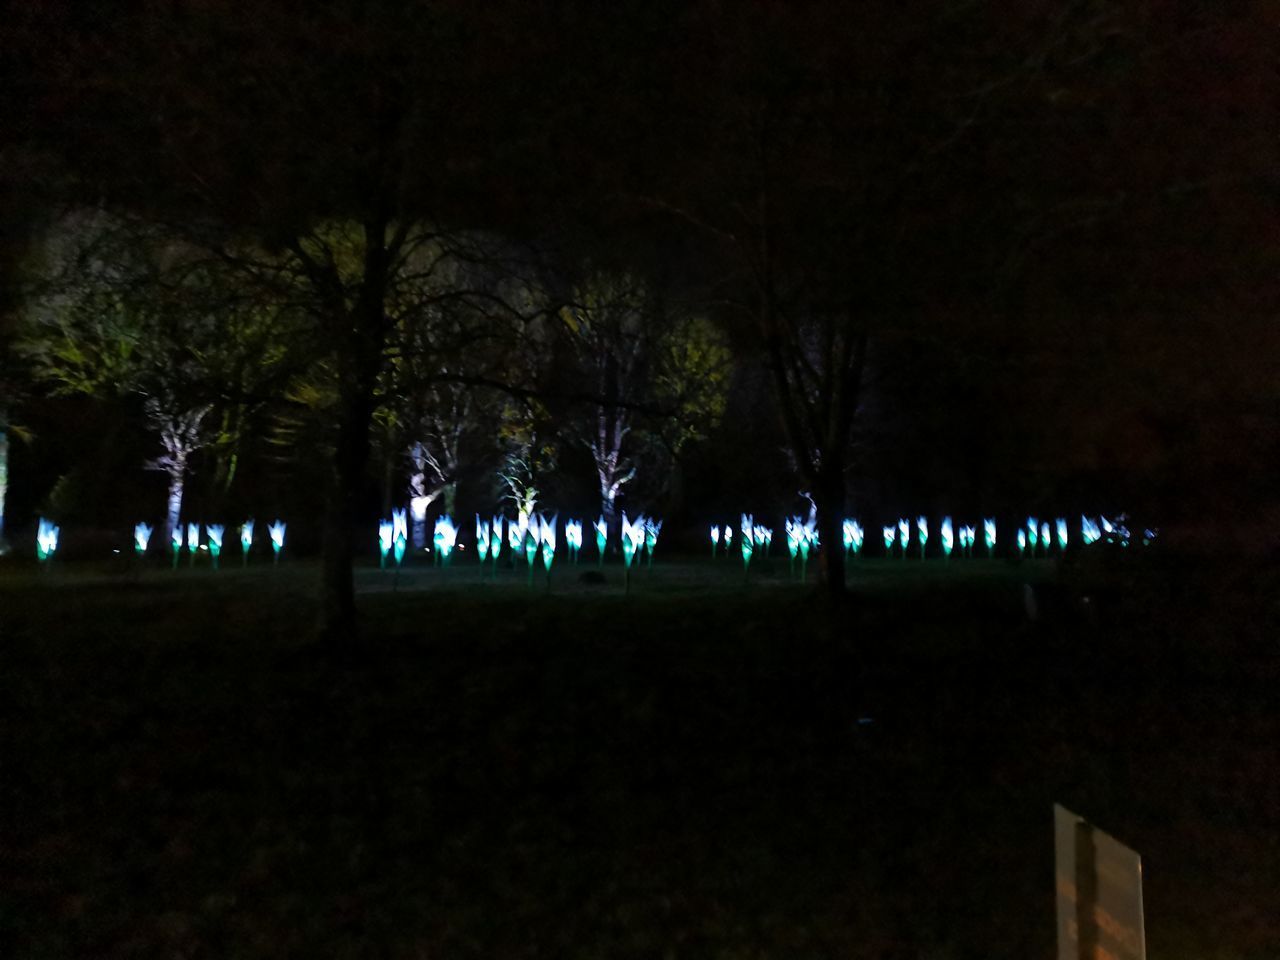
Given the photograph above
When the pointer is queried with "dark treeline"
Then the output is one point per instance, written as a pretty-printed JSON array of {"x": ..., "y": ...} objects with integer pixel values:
[{"x": 666, "y": 256}]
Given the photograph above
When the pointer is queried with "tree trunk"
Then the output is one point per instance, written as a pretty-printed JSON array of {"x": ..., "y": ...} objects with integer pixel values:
[
  {"x": 829, "y": 496},
  {"x": 351, "y": 455},
  {"x": 176, "y": 469},
  {"x": 359, "y": 354}
]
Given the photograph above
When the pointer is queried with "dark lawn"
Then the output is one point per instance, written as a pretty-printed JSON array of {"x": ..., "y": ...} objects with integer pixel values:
[{"x": 694, "y": 771}]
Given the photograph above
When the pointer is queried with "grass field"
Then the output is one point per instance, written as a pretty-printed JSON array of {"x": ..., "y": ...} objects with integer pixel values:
[{"x": 699, "y": 769}]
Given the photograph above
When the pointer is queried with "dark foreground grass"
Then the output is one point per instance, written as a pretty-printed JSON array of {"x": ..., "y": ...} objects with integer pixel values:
[{"x": 695, "y": 771}]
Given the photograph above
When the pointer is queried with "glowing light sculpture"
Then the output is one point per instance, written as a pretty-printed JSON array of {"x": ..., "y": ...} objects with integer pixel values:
[
  {"x": 922, "y": 530},
  {"x": 193, "y": 541},
  {"x": 1061, "y": 524},
  {"x": 482, "y": 540},
  {"x": 399, "y": 534},
  {"x": 495, "y": 541},
  {"x": 763, "y": 537},
  {"x": 968, "y": 535},
  {"x": 947, "y": 537},
  {"x": 386, "y": 540},
  {"x": 715, "y": 540},
  {"x": 515, "y": 540},
  {"x": 1022, "y": 542},
  {"x": 46, "y": 540},
  {"x": 651, "y": 530},
  {"x": 213, "y": 534},
  {"x": 808, "y": 540},
  {"x": 890, "y": 533},
  {"x": 853, "y": 536},
  {"x": 1044, "y": 537},
  {"x": 246, "y": 542},
  {"x": 989, "y": 535},
  {"x": 445, "y": 537},
  {"x": 277, "y": 532},
  {"x": 904, "y": 535},
  {"x": 175, "y": 543},
  {"x": 1033, "y": 534},
  {"x": 1089, "y": 531},
  {"x": 141, "y": 537},
  {"x": 795, "y": 534},
  {"x": 548, "y": 536},
  {"x": 633, "y": 537},
  {"x": 602, "y": 539},
  {"x": 746, "y": 526},
  {"x": 573, "y": 538},
  {"x": 1149, "y": 534}
]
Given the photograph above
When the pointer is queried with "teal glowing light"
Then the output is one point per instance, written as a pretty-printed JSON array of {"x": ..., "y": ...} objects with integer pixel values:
[
  {"x": 213, "y": 534},
  {"x": 175, "y": 542},
  {"x": 515, "y": 539},
  {"x": 1089, "y": 532},
  {"x": 947, "y": 536},
  {"x": 904, "y": 535},
  {"x": 1022, "y": 542},
  {"x": 548, "y": 536},
  {"x": 794, "y": 531},
  {"x": 853, "y": 536},
  {"x": 1044, "y": 536},
  {"x": 922, "y": 530},
  {"x": 989, "y": 534},
  {"x": 46, "y": 539},
  {"x": 652, "y": 528},
  {"x": 141, "y": 537},
  {"x": 889, "y": 533},
  {"x": 277, "y": 531},
  {"x": 763, "y": 537},
  {"x": 246, "y": 541},
  {"x": 386, "y": 540},
  {"x": 445, "y": 537},
  {"x": 1033, "y": 534},
  {"x": 482, "y": 539},
  {"x": 633, "y": 537},
  {"x": 573, "y": 538},
  {"x": 193, "y": 541},
  {"x": 715, "y": 540},
  {"x": 747, "y": 529},
  {"x": 602, "y": 539},
  {"x": 1061, "y": 524},
  {"x": 495, "y": 540},
  {"x": 399, "y": 534}
]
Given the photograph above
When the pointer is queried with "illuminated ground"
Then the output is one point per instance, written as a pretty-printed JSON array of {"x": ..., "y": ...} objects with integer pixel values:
[{"x": 700, "y": 770}]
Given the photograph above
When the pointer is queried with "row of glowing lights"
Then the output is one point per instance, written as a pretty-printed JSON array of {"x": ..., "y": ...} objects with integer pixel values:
[
  {"x": 531, "y": 533},
  {"x": 802, "y": 535},
  {"x": 527, "y": 534}
]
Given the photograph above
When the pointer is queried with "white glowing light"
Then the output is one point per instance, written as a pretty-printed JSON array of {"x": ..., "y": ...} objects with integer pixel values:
[
  {"x": 904, "y": 534},
  {"x": 193, "y": 536},
  {"x": 1044, "y": 536},
  {"x": 573, "y": 534},
  {"x": 515, "y": 537},
  {"x": 1022, "y": 541},
  {"x": 632, "y": 537},
  {"x": 141, "y": 537},
  {"x": 1089, "y": 532},
  {"x": 175, "y": 537},
  {"x": 386, "y": 537},
  {"x": 922, "y": 530},
  {"x": 947, "y": 536},
  {"x": 652, "y": 528},
  {"x": 794, "y": 529},
  {"x": 495, "y": 540},
  {"x": 46, "y": 539},
  {"x": 1033, "y": 533},
  {"x": 715, "y": 535},
  {"x": 399, "y": 524},
  {"x": 989, "y": 534},
  {"x": 1061, "y": 524},
  {"x": 277, "y": 531},
  {"x": 446, "y": 536},
  {"x": 889, "y": 534},
  {"x": 246, "y": 535},
  {"x": 853, "y": 535},
  {"x": 968, "y": 536},
  {"x": 418, "y": 508},
  {"x": 548, "y": 536},
  {"x": 213, "y": 533}
]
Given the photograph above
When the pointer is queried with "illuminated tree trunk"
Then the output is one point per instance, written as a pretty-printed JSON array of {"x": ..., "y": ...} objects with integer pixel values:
[{"x": 180, "y": 436}]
